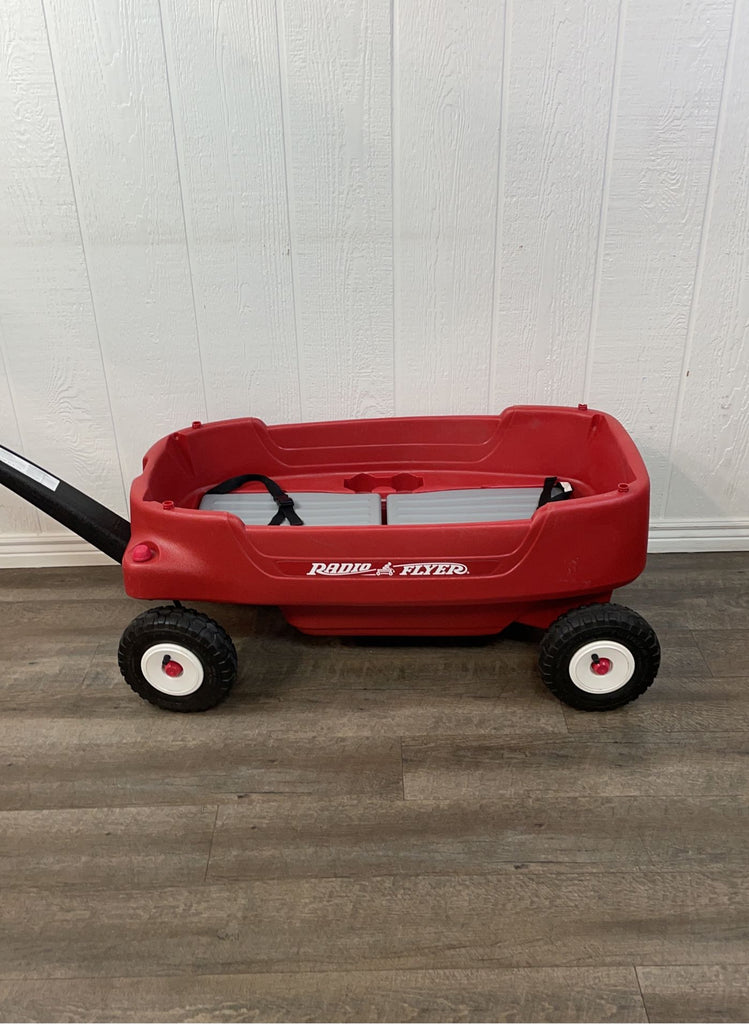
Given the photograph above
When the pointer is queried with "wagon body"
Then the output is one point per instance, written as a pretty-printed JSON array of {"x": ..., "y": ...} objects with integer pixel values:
[
  {"x": 421, "y": 578},
  {"x": 427, "y": 525}
]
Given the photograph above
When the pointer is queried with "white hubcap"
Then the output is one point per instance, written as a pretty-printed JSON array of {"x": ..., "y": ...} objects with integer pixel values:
[
  {"x": 602, "y": 667},
  {"x": 172, "y": 669}
]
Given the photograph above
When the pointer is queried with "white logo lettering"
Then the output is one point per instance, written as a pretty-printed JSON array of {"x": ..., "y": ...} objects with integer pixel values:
[
  {"x": 388, "y": 569},
  {"x": 433, "y": 569},
  {"x": 340, "y": 568}
]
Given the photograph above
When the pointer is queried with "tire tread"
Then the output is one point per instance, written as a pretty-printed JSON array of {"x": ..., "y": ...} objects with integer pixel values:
[
  {"x": 190, "y": 624},
  {"x": 611, "y": 621}
]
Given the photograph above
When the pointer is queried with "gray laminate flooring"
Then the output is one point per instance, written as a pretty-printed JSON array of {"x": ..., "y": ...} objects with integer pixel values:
[{"x": 371, "y": 830}]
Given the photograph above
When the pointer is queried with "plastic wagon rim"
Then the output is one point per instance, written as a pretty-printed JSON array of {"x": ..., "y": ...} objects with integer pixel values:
[
  {"x": 154, "y": 665},
  {"x": 583, "y": 673}
]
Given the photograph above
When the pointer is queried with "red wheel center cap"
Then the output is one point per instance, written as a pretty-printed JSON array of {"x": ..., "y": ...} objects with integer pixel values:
[
  {"x": 601, "y": 667},
  {"x": 173, "y": 668}
]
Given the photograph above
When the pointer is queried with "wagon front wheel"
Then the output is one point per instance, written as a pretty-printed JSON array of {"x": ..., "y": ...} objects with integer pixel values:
[
  {"x": 599, "y": 657},
  {"x": 178, "y": 659}
]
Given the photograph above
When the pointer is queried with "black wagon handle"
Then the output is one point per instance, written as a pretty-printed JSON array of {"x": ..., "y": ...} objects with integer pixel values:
[{"x": 91, "y": 520}]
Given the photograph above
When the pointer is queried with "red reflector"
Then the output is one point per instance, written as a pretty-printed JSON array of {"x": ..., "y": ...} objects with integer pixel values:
[
  {"x": 173, "y": 669},
  {"x": 142, "y": 553}
]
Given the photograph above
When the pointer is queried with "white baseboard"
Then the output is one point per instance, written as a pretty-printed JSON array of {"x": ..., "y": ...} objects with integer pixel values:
[
  {"x": 36, "y": 551},
  {"x": 699, "y": 535},
  {"x": 26, "y": 551}
]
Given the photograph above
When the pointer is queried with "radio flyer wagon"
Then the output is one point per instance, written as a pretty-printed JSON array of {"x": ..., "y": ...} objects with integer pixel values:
[{"x": 413, "y": 526}]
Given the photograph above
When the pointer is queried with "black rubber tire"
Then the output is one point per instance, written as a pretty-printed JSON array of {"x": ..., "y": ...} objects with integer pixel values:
[
  {"x": 203, "y": 637},
  {"x": 598, "y": 622}
]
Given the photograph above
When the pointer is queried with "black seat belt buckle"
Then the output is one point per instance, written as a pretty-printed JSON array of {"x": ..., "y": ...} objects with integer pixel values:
[{"x": 548, "y": 495}]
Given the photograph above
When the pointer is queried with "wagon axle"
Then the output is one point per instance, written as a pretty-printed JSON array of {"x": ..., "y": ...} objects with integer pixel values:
[
  {"x": 172, "y": 668},
  {"x": 599, "y": 665}
]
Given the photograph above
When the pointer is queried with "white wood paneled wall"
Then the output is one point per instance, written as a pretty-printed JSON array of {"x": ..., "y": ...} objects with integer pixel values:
[{"x": 307, "y": 210}]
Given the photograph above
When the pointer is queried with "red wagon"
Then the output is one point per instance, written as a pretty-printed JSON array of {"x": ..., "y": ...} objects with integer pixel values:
[{"x": 417, "y": 526}]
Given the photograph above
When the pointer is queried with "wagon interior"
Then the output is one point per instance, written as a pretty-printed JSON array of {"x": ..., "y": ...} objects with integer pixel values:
[{"x": 392, "y": 472}]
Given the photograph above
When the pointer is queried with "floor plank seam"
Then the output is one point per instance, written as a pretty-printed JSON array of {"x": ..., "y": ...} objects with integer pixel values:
[
  {"x": 539, "y": 878},
  {"x": 642, "y": 994},
  {"x": 210, "y": 845},
  {"x": 486, "y": 966},
  {"x": 359, "y": 969},
  {"x": 701, "y": 963},
  {"x": 71, "y": 890}
]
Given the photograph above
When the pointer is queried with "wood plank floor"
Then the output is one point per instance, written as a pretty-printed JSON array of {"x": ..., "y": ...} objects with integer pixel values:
[{"x": 372, "y": 830}]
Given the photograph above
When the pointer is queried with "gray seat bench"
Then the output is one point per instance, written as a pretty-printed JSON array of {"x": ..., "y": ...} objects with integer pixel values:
[
  {"x": 314, "y": 508},
  {"x": 474, "y": 505},
  {"x": 317, "y": 508}
]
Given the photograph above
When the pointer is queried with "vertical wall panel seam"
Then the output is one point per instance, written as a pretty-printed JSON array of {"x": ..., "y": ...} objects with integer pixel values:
[
  {"x": 605, "y": 189},
  {"x": 288, "y": 178},
  {"x": 74, "y": 191},
  {"x": 13, "y": 404},
  {"x": 394, "y": 190},
  {"x": 700, "y": 264},
  {"x": 499, "y": 202},
  {"x": 14, "y": 410},
  {"x": 178, "y": 168}
]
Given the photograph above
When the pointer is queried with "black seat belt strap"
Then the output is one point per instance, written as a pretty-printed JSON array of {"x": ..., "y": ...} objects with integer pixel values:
[{"x": 279, "y": 495}]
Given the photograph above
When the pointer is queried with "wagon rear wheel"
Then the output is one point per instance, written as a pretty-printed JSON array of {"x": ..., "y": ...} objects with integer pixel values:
[
  {"x": 599, "y": 657},
  {"x": 178, "y": 659}
]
